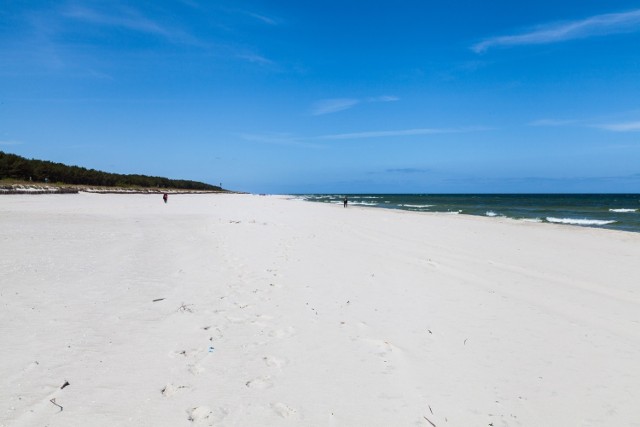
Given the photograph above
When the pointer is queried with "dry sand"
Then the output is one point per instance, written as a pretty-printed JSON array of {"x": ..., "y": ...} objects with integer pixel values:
[{"x": 242, "y": 310}]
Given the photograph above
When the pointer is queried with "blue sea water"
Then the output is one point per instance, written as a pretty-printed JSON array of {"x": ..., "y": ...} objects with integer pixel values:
[{"x": 613, "y": 211}]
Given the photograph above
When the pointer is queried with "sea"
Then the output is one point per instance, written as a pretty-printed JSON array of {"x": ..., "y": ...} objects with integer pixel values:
[{"x": 612, "y": 211}]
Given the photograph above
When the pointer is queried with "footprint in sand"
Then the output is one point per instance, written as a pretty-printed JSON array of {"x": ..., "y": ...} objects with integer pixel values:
[
  {"x": 203, "y": 415},
  {"x": 275, "y": 362},
  {"x": 170, "y": 389},
  {"x": 259, "y": 383},
  {"x": 185, "y": 353},
  {"x": 430, "y": 263},
  {"x": 195, "y": 368},
  {"x": 285, "y": 411},
  {"x": 214, "y": 332},
  {"x": 261, "y": 320},
  {"x": 264, "y": 317},
  {"x": 283, "y": 333},
  {"x": 235, "y": 319},
  {"x": 31, "y": 366},
  {"x": 384, "y": 348},
  {"x": 199, "y": 414}
]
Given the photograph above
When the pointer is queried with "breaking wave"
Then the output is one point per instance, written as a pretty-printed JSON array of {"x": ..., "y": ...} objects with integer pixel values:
[
  {"x": 574, "y": 221},
  {"x": 416, "y": 206},
  {"x": 623, "y": 210}
]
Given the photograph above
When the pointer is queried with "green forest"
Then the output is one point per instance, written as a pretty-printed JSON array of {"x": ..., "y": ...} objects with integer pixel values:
[{"x": 22, "y": 169}]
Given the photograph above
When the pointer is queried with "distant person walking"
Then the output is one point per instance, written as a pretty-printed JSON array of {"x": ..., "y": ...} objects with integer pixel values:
[
  {"x": 165, "y": 197},
  {"x": 345, "y": 201}
]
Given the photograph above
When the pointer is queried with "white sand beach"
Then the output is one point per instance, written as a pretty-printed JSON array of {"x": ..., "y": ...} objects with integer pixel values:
[{"x": 242, "y": 310}]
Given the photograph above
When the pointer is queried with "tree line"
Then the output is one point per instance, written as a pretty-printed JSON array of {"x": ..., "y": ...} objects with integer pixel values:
[{"x": 19, "y": 168}]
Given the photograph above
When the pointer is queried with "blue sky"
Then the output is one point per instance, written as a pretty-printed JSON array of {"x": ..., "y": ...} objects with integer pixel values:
[{"x": 333, "y": 96}]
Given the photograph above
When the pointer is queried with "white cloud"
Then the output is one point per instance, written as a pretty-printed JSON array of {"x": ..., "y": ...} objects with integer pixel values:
[
  {"x": 292, "y": 140},
  {"x": 384, "y": 98},
  {"x": 390, "y": 133},
  {"x": 552, "y": 122},
  {"x": 264, "y": 19},
  {"x": 621, "y": 127},
  {"x": 408, "y": 170},
  {"x": 328, "y": 106},
  {"x": 255, "y": 58},
  {"x": 598, "y": 25},
  {"x": 128, "y": 19},
  {"x": 277, "y": 139}
]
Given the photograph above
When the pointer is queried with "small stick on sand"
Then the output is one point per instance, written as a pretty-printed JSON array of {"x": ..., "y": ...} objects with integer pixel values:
[
  {"x": 54, "y": 402},
  {"x": 429, "y": 421},
  {"x": 66, "y": 383},
  {"x": 158, "y": 299}
]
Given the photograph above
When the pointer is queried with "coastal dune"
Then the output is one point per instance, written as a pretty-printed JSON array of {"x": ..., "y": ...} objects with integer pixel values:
[{"x": 242, "y": 310}]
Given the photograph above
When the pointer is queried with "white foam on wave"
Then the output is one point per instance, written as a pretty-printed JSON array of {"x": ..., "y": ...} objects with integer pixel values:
[
  {"x": 416, "y": 206},
  {"x": 574, "y": 221},
  {"x": 492, "y": 213},
  {"x": 623, "y": 210},
  {"x": 531, "y": 220},
  {"x": 363, "y": 203}
]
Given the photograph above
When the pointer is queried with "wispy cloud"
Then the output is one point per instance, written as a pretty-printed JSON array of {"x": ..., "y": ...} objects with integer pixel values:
[
  {"x": 553, "y": 122},
  {"x": 621, "y": 127},
  {"x": 129, "y": 19},
  {"x": 10, "y": 143},
  {"x": 384, "y": 98},
  {"x": 255, "y": 58},
  {"x": 262, "y": 18},
  {"x": 402, "y": 132},
  {"x": 598, "y": 25},
  {"x": 593, "y": 123},
  {"x": 328, "y": 106},
  {"x": 278, "y": 139},
  {"x": 408, "y": 170},
  {"x": 312, "y": 141}
]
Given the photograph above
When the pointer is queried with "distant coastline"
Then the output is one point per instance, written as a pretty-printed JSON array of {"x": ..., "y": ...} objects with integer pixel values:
[
  {"x": 39, "y": 189},
  {"x": 19, "y": 175}
]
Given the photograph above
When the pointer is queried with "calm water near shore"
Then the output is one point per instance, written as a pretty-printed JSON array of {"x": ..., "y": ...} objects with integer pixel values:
[{"x": 614, "y": 211}]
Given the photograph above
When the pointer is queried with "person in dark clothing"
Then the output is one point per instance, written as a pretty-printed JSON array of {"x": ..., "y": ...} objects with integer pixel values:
[
  {"x": 345, "y": 201},
  {"x": 165, "y": 197}
]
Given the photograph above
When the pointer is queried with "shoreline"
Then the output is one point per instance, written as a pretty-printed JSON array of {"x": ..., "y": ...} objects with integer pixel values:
[
  {"x": 605, "y": 211},
  {"x": 235, "y": 309}
]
